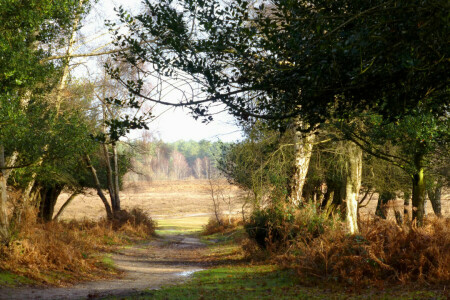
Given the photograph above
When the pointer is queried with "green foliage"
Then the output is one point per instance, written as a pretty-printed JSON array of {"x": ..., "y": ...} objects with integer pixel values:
[
  {"x": 262, "y": 163},
  {"x": 272, "y": 227},
  {"x": 31, "y": 30},
  {"x": 345, "y": 57}
]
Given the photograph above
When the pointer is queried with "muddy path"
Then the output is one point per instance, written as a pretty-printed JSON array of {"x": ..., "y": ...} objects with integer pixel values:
[{"x": 169, "y": 259}]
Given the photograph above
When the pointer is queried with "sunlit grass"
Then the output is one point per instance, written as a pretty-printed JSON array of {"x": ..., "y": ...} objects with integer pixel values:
[
  {"x": 185, "y": 225},
  {"x": 268, "y": 282},
  {"x": 11, "y": 280}
]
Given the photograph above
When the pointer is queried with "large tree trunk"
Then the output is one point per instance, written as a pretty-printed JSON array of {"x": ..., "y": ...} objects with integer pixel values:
[
  {"x": 435, "y": 195},
  {"x": 116, "y": 205},
  {"x": 353, "y": 185},
  {"x": 418, "y": 191},
  {"x": 4, "y": 224},
  {"x": 49, "y": 195},
  {"x": 303, "y": 151},
  {"x": 98, "y": 187}
]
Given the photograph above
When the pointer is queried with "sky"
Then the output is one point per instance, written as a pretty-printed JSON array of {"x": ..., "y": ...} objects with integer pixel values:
[{"x": 169, "y": 124}]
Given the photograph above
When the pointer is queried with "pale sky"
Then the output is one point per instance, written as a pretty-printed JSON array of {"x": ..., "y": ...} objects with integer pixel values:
[{"x": 171, "y": 124}]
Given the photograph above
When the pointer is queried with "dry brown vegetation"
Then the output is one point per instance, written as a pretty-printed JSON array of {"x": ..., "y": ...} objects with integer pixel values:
[
  {"x": 65, "y": 251},
  {"x": 222, "y": 225},
  {"x": 62, "y": 252},
  {"x": 159, "y": 198},
  {"x": 382, "y": 252}
]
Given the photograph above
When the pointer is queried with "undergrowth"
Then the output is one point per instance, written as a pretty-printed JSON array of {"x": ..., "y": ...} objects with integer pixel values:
[
  {"x": 220, "y": 226},
  {"x": 61, "y": 252},
  {"x": 383, "y": 252}
]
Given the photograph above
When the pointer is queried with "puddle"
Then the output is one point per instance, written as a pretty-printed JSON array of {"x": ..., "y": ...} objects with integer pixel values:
[{"x": 188, "y": 273}]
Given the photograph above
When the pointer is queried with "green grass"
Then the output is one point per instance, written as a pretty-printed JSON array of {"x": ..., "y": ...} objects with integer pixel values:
[
  {"x": 11, "y": 280},
  {"x": 108, "y": 262},
  {"x": 187, "y": 225},
  {"x": 241, "y": 280},
  {"x": 267, "y": 282}
]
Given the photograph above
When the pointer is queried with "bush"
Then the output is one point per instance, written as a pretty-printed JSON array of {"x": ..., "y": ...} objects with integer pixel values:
[
  {"x": 272, "y": 227},
  {"x": 137, "y": 218},
  {"x": 225, "y": 225},
  {"x": 58, "y": 252},
  {"x": 381, "y": 252},
  {"x": 311, "y": 223}
]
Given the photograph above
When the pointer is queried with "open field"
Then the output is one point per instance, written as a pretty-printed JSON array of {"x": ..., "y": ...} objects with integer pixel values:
[
  {"x": 159, "y": 198},
  {"x": 163, "y": 198}
]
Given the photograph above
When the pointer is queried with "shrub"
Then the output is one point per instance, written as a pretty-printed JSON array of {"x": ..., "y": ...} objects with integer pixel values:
[
  {"x": 137, "y": 218},
  {"x": 225, "y": 225},
  {"x": 272, "y": 227},
  {"x": 382, "y": 251},
  {"x": 59, "y": 252}
]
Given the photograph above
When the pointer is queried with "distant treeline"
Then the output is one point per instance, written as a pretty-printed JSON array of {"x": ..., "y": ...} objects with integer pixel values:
[{"x": 178, "y": 160}]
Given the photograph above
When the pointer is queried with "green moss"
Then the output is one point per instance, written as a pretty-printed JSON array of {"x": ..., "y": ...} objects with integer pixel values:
[
  {"x": 12, "y": 280},
  {"x": 107, "y": 262}
]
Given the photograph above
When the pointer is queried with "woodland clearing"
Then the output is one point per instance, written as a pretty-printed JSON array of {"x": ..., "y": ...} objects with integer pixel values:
[{"x": 209, "y": 267}]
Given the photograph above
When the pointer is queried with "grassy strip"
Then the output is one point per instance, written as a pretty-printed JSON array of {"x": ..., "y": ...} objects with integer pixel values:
[
  {"x": 8, "y": 279},
  {"x": 267, "y": 282},
  {"x": 183, "y": 225}
]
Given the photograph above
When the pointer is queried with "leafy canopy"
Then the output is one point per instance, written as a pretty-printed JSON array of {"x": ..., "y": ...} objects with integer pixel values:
[{"x": 279, "y": 59}]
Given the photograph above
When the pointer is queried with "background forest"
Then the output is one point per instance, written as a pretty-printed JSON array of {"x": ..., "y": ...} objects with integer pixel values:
[{"x": 178, "y": 160}]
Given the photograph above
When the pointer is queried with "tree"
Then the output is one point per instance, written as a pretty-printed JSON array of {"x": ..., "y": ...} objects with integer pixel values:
[
  {"x": 31, "y": 31},
  {"x": 313, "y": 59},
  {"x": 417, "y": 136},
  {"x": 296, "y": 58}
]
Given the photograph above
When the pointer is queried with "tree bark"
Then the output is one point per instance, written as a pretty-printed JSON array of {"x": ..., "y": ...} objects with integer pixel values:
[
  {"x": 435, "y": 195},
  {"x": 116, "y": 205},
  {"x": 4, "y": 224},
  {"x": 98, "y": 187},
  {"x": 303, "y": 152},
  {"x": 418, "y": 191},
  {"x": 353, "y": 185},
  {"x": 49, "y": 195},
  {"x": 109, "y": 175}
]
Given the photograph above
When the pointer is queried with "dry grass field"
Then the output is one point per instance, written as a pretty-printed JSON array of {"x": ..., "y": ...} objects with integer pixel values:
[
  {"x": 164, "y": 199},
  {"x": 159, "y": 198}
]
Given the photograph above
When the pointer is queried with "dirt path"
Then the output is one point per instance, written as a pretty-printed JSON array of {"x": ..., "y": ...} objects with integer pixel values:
[{"x": 166, "y": 260}]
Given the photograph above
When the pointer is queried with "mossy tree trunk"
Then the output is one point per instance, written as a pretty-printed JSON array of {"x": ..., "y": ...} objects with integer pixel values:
[
  {"x": 435, "y": 195},
  {"x": 419, "y": 190}
]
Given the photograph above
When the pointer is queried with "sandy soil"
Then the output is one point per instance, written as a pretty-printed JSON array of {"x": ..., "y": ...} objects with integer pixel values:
[{"x": 166, "y": 260}]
